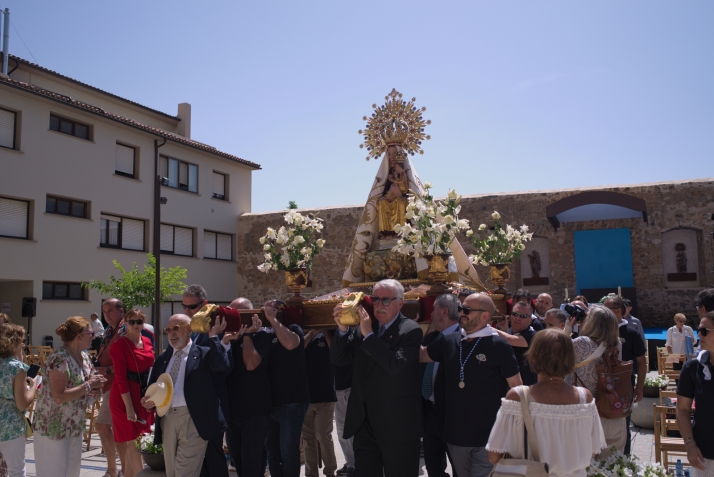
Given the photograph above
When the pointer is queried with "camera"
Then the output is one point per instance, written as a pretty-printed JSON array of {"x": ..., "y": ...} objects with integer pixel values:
[{"x": 576, "y": 311}]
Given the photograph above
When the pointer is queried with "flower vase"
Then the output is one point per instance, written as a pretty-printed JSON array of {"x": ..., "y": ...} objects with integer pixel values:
[
  {"x": 499, "y": 275},
  {"x": 154, "y": 461},
  {"x": 438, "y": 273},
  {"x": 296, "y": 280}
]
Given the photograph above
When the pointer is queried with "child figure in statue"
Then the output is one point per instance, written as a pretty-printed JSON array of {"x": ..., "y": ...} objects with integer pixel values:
[{"x": 392, "y": 206}]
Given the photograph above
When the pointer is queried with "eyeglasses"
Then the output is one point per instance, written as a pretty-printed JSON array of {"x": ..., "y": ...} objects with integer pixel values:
[
  {"x": 191, "y": 307},
  {"x": 135, "y": 322},
  {"x": 704, "y": 331},
  {"x": 384, "y": 301},
  {"x": 466, "y": 310},
  {"x": 520, "y": 315},
  {"x": 89, "y": 333},
  {"x": 174, "y": 328}
]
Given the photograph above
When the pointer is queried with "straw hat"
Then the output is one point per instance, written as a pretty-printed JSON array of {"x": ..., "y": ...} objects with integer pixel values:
[{"x": 161, "y": 393}]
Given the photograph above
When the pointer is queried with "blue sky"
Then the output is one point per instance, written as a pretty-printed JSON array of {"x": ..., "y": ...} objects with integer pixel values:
[{"x": 522, "y": 95}]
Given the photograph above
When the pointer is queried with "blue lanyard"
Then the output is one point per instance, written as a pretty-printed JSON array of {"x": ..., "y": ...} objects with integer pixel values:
[{"x": 463, "y": 363}]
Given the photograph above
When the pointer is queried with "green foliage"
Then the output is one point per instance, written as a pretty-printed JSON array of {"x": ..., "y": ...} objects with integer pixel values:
[
  {"x": 501, "y": 246},
  {"x": 292, "y": 205},
  {"x": 138, "y": 288}
]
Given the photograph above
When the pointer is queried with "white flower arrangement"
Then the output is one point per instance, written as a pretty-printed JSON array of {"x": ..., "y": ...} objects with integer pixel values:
[
  {"x": 620, "y": 465},
  {"x": 660, "y": 381},
  {"x": 293, "y": 246},
  {"x": 501, "y": 246},
  {"x": 431, "y": 225},
  {"x": 145, "y": 443}
]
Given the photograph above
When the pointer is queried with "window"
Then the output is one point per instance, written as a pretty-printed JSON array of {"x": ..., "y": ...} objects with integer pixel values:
[
  {"x": 62, "y": 291},
  {"x": 124, "y": 161},
  {"x": 219, "y": 186},
  {"x": 120, "y": 232},
  {"x": 217, "y": 245},
  {"x": 181, "y": 175},
  {"x": 74, "y": 208},
  {"x": 68, "y": 126},
  {"x": 7, "y": 128},
  {"x": 176, "y": 240},
  {"x": 14, "y": 218}
]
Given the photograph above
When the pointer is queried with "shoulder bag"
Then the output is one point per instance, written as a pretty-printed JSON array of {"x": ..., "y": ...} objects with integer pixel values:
[
  {"x": 141, "y": 378},
  {"x": 523, "y": 467}
]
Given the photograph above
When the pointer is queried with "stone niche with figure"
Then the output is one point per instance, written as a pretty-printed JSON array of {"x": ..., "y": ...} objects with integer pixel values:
[
  {"x": 680, "y": 256},
  {"x": 535, "y": 265}
]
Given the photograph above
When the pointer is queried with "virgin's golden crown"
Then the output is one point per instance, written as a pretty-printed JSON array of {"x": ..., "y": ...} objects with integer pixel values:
[{"x": 396, "y": 122}]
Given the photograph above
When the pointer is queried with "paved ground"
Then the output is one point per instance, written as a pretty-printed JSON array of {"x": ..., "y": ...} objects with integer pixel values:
[{"x": 94, "y": 463}]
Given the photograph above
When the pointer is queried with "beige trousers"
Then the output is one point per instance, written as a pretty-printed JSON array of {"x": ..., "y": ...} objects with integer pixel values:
[
  {"x": 183, "y": 447},
  {"x": 615, "y": 435},
  {"x": 318, "y": 428}
]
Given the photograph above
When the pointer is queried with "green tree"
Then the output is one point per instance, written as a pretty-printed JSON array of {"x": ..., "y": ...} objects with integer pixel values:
[{"x": 138, "y": 288}]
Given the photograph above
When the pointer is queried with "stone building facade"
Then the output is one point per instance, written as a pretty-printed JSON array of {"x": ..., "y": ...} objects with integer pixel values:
[{"x": 656, "y": 218}]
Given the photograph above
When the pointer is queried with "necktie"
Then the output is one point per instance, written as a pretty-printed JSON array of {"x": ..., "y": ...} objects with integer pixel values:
[
  {"x": 427, "y": 385},
  {"x": 381, "y": 331},
  {"x": 175, "y": 366}
]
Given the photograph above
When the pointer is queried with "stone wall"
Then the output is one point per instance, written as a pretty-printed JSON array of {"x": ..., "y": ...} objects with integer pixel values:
[{"x": 672, "y": 205}]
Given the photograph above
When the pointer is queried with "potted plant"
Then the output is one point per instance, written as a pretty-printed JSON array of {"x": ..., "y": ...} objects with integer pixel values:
[
  {"x": 498, "y": 248},
  {"x": 654, "y": 384},
  {"x": 152, "y": 454},
  {"x": 430, "y": 229},
  {"x": 292, "y": 248},
  {"x": 620, "y": 465}
]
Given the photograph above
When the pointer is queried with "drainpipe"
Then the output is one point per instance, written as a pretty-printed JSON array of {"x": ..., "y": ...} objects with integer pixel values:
[
  {"x": 5, "y": 40},
  {"x": 158, "y": 333}
]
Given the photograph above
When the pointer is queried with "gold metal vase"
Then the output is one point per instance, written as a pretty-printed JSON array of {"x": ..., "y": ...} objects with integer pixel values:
[
  {"x": 499, "y": 275},
  {"x": 296, "y": 280},
  {"x": 438, "y": 273}
]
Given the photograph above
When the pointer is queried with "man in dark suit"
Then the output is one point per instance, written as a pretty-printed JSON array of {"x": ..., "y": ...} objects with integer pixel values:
[
  {"x": 195, "y": 415},
  {"x": 444, "y": 320},
  {"x": 384, "y": 407}
]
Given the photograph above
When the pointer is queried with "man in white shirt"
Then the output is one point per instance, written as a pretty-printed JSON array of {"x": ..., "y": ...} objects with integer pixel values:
[
  {"x": 195, "y": 415},
  {"x": 98, "y": 330}
]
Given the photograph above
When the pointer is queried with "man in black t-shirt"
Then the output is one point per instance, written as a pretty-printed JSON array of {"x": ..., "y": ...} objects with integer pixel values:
[
  {"x": 522, "y": 334},
  {"x": 291, "y": 395},
  {"x": 479, "y": 368},
  {"x": 633, "y": 349},
  {"x": 321, "y": 412},
  {"x": 249, "y": 396}
]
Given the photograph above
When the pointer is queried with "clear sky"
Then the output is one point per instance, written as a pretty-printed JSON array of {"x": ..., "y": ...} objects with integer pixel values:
[{"x": 522, "y": 95}]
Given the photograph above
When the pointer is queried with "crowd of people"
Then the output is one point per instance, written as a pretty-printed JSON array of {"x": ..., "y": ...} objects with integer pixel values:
[{"x": 479, "y": 389}]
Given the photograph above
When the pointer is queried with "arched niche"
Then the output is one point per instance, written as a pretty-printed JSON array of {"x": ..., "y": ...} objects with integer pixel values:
[
  {"x": 535, "y": 265},
  {"x": 680, "y": 258}
]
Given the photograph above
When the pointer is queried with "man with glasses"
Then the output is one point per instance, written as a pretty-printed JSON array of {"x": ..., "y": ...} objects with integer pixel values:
[
  {"x": 522, "y": 334},
  {"x": 195, "y": 416},
  {"x": 113, "y": 311},
  {"x": 384, "y": 408},
  {"x": 633, "y": 349},
  {"x": 479, "y": 368}
]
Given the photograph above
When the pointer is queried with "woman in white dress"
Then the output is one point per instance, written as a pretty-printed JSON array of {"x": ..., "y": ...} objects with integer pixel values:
[
  {"x": 677, "y": 334},
  {"x": 566, "y": 422}
]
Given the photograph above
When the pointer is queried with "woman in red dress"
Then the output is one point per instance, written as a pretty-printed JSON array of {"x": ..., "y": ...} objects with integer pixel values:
[{"x": 133, "y": 357}]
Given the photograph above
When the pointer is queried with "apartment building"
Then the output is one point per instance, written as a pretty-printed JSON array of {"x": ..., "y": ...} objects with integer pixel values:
[{"x": 77, "y": 178}]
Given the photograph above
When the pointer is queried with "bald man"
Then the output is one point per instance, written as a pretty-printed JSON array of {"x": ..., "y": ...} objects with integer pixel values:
[{"x": 544, "y": 302}]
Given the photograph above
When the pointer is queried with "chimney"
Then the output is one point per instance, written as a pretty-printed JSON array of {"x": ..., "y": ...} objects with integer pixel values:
[
  {"x": 184, "y": 113},
  {"x": 5, "y": 40}
]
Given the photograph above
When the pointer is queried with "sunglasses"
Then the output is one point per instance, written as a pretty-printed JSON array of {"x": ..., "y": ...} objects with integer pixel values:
[
  {"x": 520, "y": 315},
  {"x": 384, "y": 301},
  {"x": 704, "y": 331},
  {"x": 135, "y": 322},
  {"x": 174, "y": 328},
  {"x": 191, "y": 307},
  {"x": 466, "y": 310}
]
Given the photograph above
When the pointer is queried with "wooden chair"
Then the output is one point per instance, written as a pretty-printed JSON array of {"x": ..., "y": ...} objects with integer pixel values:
[
  {"x": 665, "y": 445},
  {"x": 44, "y": 352},
  {"x": 668, "y": 394},
  {"x": 91, "y": 416}
]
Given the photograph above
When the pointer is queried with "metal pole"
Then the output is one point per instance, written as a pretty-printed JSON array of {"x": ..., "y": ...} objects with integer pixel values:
[
  {"x": 158, "y": 332},
  {"x": 5, "y": 40}
]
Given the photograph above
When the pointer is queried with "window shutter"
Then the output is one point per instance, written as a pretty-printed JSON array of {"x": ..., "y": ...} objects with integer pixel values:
[
  {"x": 184, "y": 241},
  {"x": 164, "y": 166},
  {"x": 209, "y": 245},
  {"x": 7, "y": 128},
  {"x": 183, "y": 174},
  {"x": 167, "y": 238},
  {"x": 225, "y": 247},
  {"x": 219, "y": 185},
  {"x": 132, "y": 234},
  {"x": 124, "y": 161},
  {"x": 13, "y": 218}
]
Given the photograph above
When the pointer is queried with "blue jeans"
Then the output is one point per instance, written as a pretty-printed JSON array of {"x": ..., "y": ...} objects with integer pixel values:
[{"x": 283, "y": 439}]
